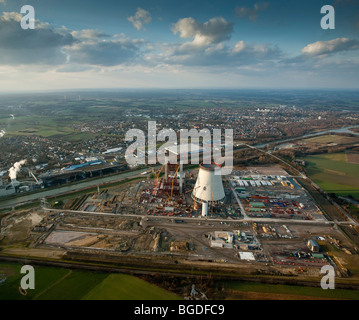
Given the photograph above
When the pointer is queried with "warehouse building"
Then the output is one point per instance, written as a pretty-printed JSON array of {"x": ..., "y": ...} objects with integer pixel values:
[{"x": 313, "y": 246}]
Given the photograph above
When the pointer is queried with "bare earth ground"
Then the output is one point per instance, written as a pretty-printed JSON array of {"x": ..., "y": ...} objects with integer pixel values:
[
  {"x": 238, "y": 295},
  {"x": 41, "y": 253}
]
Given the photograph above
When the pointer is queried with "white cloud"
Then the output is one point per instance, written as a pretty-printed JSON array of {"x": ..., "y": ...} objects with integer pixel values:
[
  {"x": 88, "y": 34},
  {"x": 9, "y": 16},
  {"x": 203, "y": 55},
  {"x": 209, "y": 49},
  {"x": 109, "y": 52},
  {"x": 219, "y": 55},
  {"x": 213, "y": 31},
  {"x": 140, "y": 18},
  {"x": 42, "y": 46},
  {"x": 50, "y": 48},
  {"x": 332, "y": 46}
]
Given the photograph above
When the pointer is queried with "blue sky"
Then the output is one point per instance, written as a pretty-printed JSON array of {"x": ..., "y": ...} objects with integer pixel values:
[{"x": 178, "y": 44}]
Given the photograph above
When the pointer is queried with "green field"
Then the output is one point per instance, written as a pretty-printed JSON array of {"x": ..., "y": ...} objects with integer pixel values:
[
  {"x": 334, "y": 174},
  {"x": 44, "y": 278},
  {"x": 123, "y": 287},
  {"x": 65, "y": 284},
  {"x": 46, "y": 126}
]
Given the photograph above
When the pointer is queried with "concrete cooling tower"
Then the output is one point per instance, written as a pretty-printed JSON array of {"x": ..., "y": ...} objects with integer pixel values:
[{"x": 209, "y": 186}]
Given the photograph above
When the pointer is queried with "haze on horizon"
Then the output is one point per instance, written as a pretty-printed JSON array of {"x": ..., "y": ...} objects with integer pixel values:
[{"x": 187, "y": 44}]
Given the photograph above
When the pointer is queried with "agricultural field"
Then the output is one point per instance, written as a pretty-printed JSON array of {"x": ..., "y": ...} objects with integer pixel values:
[
  {"x": 258, "y": 291},
  {"x": 44, "y": 126},
  {"x": 123, "y": 287},
  {"x": 65, "y": 284},
  {"x": 334, "y": 173},
  {"x": 329, "y": 139}
]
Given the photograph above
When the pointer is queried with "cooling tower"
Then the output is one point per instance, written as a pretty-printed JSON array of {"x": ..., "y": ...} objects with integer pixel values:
[{"x": 209, "y": 186}]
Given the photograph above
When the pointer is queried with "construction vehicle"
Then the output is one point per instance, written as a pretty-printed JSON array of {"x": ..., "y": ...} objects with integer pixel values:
[{"x": 294, "y": 254}]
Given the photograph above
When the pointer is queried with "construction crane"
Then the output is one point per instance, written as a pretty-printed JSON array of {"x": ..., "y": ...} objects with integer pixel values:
[
  {"x": 157, "y": 175},
  {"x": 173, "y": 180}
]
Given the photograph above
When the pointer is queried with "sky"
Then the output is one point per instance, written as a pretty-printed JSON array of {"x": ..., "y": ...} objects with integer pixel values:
[{"x": 84, "y": 44}]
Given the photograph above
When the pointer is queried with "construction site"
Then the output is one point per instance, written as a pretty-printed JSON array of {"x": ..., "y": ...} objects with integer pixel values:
[
  {"x": 258, "y": 220},
  {"x": 273, "y": 193},
  {"x": 169, "y": 191},
  {"x": 174, "y": 191}
]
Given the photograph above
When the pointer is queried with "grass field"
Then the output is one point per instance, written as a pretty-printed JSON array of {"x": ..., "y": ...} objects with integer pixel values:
[
  {"x": 329, "y": 139},
  {"x": 65, "y": 284},
  {"x": 334, "y": 174},
  {"x": 45, "y": 126},
  {"x": 44, "y": 278},
  {"x": 124, "y": 287}
]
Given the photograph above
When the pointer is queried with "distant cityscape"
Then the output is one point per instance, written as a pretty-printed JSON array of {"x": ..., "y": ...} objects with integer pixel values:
[{"x": 101, "y": 141}]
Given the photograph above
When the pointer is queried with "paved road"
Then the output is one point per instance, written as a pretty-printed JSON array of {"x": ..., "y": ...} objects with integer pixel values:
[{"x": 204, "y": 219}]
